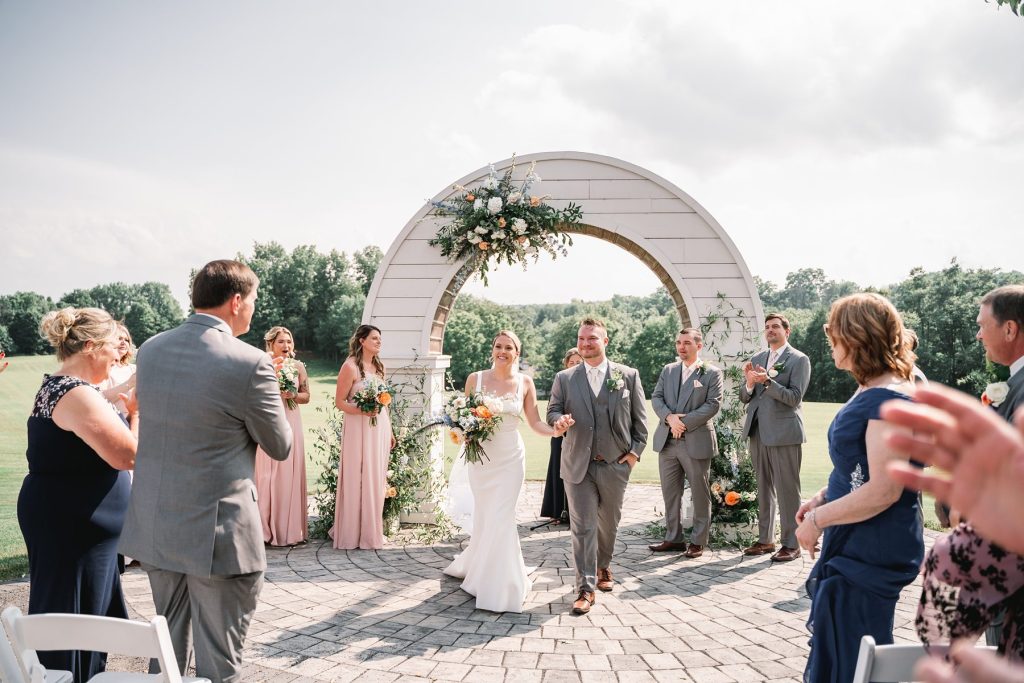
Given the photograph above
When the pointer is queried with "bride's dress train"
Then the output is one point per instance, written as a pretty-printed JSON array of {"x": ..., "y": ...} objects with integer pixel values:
[{"x": 491, "y": 566}]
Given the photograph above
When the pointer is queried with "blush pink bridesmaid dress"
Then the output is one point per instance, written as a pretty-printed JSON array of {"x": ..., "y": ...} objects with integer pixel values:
[
  {"x": 281, "y": 488},
  {"x": 362, "y": 477}
]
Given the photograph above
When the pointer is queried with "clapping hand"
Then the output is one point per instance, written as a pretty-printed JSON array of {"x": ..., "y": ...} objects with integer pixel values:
[
  {"x": 981, "y": 454},
  {"x": 754, "y": 374}
]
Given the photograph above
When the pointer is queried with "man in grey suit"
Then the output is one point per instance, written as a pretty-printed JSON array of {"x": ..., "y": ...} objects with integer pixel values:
[
  {"x": 206, "y": 400},
  {"x": 1001, "y": 332},
  {"x": 687, "y": 397},
  {"x": 603, "y": 405},
  {"x": 776, "y": 381}
]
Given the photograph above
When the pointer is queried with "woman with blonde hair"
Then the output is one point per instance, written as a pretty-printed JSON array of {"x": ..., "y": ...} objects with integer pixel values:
[
  {"x": 491, "y": 566},
  {"x": 366, "y": 444},
  {"x": 73, "y": 501},
  {"x": 873, "y": 534},
  {"x": 281, "y": 484},
  {"x": 121, "y": 379}
]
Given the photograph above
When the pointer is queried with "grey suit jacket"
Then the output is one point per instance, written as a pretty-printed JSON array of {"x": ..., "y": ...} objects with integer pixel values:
[
  {"x": 776, "y": 407},
  {"x": 1015, "y": 397},
  {"x": 699, "y": 403},
  {"x": 627, "y": 413},
  {"x": 205, "y": 400}
]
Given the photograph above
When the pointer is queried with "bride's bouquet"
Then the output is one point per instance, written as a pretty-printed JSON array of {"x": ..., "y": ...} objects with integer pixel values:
[
  {"x": 376, "y": 394},
  {"x": 472, "y": 420},
  {"x": 287, "y": 370}
]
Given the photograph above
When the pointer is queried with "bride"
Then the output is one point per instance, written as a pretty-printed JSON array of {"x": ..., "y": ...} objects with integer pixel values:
[{"x": 491, "y": 566}]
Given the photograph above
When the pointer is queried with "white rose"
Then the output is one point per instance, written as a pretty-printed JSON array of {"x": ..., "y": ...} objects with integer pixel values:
[
  {"x": 493, "y": 205},
  {"x": 773, "y": 373},
  {"x": 519, "y": 225},
  {"x": 475, "y": 239},
  {"x": 480, "y": 230},
  {"x": 460, "y": 402},
  {"x": 498, "y": 234},
  {"x": 997, "y": 392},
  {"x": 478, "y": 204},
  {"x": 514, "y": 197}
]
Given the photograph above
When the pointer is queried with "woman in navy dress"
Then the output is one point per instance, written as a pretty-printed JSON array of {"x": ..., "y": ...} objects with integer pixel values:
[
  {"x": 72, "y": 503},
  {"x": 555, "y": 504},
  {"x": 873, "y": 533}
]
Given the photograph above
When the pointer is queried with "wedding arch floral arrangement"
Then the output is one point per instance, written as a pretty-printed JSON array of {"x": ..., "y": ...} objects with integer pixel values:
[{"x": 502, "y": 220}]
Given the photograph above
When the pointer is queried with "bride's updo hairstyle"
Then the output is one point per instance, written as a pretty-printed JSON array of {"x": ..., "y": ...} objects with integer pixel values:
[
  {"x": 355, "y": 349},
  {"x": 871, "y": 331},
  {"x": 70, "y": 329}
]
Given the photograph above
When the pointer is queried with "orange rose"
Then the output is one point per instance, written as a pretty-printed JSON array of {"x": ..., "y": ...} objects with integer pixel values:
[
  {"x": 456, "y": 439},
  {"x": 384, "y": 398},
  {"x": 501, "y": 222},
  {"x": 534, "y": 200},
  {"x": 391, "y": 492},
  {"x": 484, "y": 246},
  {"x": 731, "y": 498},
  {"x": 522, "y": 240},
  {"x": 470, "y": 197},
  {"x": 483, "y": 412}
]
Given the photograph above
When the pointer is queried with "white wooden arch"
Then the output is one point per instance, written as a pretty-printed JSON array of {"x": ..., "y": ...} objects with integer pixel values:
[{"x": 415, "y": 287}]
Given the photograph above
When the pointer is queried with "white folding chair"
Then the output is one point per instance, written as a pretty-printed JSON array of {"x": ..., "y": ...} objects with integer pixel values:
[
  {"x": 101, "y": 634},
  {"x": 11, "y": 669},
  {"x": 891, "y": 663}
]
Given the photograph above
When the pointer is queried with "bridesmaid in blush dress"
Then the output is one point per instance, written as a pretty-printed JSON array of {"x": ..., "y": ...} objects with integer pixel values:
[
  {"x": 365, "y": 449},
  {"x": 281, "y": 484}
]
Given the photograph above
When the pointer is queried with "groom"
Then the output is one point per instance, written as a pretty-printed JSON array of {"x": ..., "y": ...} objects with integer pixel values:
[{"x": 603, "y": 405}]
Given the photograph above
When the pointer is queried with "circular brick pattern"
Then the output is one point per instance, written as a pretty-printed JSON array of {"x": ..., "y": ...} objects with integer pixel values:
[{"x": 392, "y": 615}]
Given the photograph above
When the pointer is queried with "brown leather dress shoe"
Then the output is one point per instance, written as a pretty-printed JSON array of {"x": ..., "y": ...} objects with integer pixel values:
[
  {"x": 694, "y": 550},
  {"x": 760, "y": 549},
  {"x": 605, "y": 582},
  {"x": 583, "y": 602},
  {"x": 665, "y": 546},
  {"x": 786, "y": 554}
]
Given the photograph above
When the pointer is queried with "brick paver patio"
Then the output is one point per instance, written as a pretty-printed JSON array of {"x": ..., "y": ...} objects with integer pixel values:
[{"x": 391, "y": 615}]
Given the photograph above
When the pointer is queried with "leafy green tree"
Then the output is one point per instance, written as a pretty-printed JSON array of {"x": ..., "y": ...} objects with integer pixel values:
[
  {"x": 654, "y": 347},
  {"x": 21, "y": 314},
  {"x": 367, "y": 260},
  {"x": 336, "y": 327},
  {"x": 469, "y": 334}
]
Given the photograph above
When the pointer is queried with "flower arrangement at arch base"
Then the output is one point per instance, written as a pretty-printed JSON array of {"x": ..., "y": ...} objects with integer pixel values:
[
  {"x": 733, "y": 491},
  {"x": 503, "y": 221}
]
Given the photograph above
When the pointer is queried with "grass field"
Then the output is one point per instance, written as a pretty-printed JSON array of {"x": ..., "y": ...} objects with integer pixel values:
[{"x": 20, "y": 382}]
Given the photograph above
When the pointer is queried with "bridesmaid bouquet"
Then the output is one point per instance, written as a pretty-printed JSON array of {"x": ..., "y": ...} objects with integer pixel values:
[
  {"x": 472, "y": 420},
  {"x": 375, "y": 395},
  {"x": 287, "y": 377}
]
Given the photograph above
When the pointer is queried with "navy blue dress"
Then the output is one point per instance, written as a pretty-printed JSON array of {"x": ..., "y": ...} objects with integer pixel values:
[
  {"x": 71, "y": 510},
  {"x": 863, "y": 566}
]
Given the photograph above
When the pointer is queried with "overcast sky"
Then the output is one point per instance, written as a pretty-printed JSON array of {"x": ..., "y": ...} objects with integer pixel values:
[{"x": 140, "y": 139}]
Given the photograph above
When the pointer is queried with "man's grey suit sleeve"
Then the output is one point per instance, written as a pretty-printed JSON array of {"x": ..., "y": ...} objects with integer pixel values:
[
  {"x": 264, "y": 412},
  {"x": 556, "y": 402},
  {"x": 799, "y": 381},
  {"x": 661, "y": 409},
  {"x": 711, "y": 405},
  {"x": 638, "y": 406},
  {"x": 745, "y": 395}
]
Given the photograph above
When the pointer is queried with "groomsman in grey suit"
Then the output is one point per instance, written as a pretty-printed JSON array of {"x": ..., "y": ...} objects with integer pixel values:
[
  {"x": 603, "y": 405},
  {"x": 687, "y": 397},
  {"x": 193, "y": 522},
  {"x": 1001, "y": 332},
  {"x": 776, "y": 381}
]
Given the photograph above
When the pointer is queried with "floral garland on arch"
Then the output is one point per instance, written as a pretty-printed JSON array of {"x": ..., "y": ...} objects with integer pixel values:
[{"x": 503, "y": 221}]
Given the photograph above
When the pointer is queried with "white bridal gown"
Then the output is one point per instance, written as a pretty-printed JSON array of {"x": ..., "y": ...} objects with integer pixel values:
[{"x": 491, "y": 566}]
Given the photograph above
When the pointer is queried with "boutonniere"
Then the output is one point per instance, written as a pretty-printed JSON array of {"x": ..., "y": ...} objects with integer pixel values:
[
  {"x": 615, "y": 382},
  {"x": 995, "y": 394},
  {"x": 700, "y": 370},
  {"x": 776, "y": 369}
]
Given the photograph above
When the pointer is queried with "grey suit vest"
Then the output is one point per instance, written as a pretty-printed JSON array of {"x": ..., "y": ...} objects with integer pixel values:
[{"x": 603, "y": 443}]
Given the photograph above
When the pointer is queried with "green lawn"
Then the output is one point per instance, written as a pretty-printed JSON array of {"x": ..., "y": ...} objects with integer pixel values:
[{"x": 20, "y": 382}]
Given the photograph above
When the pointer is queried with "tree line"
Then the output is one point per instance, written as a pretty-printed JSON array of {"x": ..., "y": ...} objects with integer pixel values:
[{"x": 320, "y": 298}]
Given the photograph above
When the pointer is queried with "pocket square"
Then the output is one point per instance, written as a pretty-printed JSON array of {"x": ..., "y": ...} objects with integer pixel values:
[{"x": 697, "y": 384}]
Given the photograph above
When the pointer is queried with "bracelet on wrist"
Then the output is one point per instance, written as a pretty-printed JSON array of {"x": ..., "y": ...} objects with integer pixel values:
[{"x": 813, "y": 516}]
